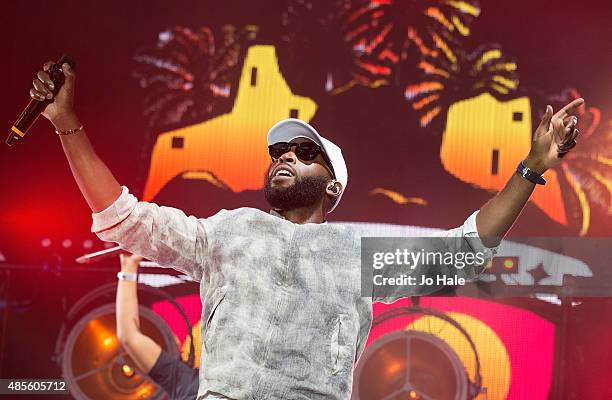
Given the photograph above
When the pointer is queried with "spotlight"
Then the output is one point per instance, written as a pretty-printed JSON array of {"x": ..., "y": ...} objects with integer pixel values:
[
  {"x": 414, "y": 365},
  {"x": 94, "y": 364},
  {"x": 410, "y": 365},
  {"x": 90, "y": 356},
  {"x": 66, "y": 243},
  {"x": 107, "y": 342},
  {"x": 127, "y": 370}
]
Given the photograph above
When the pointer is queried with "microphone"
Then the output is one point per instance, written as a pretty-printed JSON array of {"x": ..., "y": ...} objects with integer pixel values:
[
  {"x": 35, "y": 107},
  {"x": 108, "y": 253},
  {"x": 100, "y": 255}
]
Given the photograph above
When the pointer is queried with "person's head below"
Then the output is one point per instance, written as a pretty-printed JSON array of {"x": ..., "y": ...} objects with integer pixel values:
[{"x": 307, "y": 176}]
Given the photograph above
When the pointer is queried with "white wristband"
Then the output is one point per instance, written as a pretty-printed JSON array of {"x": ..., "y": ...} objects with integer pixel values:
[{"x": 127, "y": 276}]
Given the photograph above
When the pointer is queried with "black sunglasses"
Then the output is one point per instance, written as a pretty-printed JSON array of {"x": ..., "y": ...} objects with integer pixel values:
[{"x": 305, "y": 151}]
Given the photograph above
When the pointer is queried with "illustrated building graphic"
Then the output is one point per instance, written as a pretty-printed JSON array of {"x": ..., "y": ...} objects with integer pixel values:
[
  {"x": 485, "y": 139},
  {"x": 231, "y": 150}
]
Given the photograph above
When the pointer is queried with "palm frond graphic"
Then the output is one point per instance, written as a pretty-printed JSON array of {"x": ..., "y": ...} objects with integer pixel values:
[{"x": 189, "y": 75}]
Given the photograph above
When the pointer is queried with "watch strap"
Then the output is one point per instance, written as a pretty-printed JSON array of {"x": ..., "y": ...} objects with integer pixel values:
[{"x": 529, "y": 174}]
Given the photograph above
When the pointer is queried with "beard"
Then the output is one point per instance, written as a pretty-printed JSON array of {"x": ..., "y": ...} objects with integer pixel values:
[{"x": 305, "y": 192}]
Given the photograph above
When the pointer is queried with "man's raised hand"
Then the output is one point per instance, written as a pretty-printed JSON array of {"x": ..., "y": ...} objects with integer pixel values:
[
  {"x": 42, "y": 89},
  {"x": 554, "y": 138}
]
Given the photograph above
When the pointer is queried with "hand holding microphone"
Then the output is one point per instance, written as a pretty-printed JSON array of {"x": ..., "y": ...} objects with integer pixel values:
[
  {"x": 52, "y": 96},
  {"x": 61, "y": 101}
]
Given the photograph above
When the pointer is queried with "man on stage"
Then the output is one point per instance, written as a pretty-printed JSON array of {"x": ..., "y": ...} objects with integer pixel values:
[{"x": 283, "y": 314}]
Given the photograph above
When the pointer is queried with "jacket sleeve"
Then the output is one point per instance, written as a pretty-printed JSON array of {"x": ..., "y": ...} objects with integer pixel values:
[
  {"x": 164, "y": 235},
  {"x": 463, "y": 239},
  {"x": 467, "y": 239}
]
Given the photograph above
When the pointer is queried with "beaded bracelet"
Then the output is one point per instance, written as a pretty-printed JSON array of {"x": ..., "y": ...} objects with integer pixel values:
[{"x": 69, "y": 131}]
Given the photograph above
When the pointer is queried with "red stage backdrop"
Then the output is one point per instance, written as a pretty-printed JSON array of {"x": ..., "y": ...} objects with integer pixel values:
[{"x": 432, "y": 102}]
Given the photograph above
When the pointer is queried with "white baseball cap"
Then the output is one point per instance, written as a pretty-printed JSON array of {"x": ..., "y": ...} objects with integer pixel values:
[{"x": 291, "y": 128}]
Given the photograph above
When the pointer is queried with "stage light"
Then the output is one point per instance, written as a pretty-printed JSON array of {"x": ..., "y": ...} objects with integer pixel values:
[
  {"x": 94, "y": 364},
  {"x": 393, "y": 368},
  {"x": 87, "y": 244},
  {"x": 414, "y": 364},
  {"x": 46, "y": 242},
  {"x": 108, "y": 341},
  {"x": 127, "y": 370},
  {"x": 66, "y": 243}
]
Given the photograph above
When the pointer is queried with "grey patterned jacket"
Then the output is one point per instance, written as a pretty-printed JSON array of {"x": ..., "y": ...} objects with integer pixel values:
[{"x": 283, "y": 316}]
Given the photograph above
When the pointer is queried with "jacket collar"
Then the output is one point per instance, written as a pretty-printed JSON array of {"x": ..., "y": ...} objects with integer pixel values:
[{"x": 277, "y": 214}]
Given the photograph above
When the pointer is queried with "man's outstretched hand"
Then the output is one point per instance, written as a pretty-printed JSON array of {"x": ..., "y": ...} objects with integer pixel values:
[{"x": 554, "y": 137}]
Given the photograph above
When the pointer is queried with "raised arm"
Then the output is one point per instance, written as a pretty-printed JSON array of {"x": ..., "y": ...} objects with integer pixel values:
[
  {"x": 97, "y": 183},
  {"x": 483, "y": 230},
  {"x": 554, "y": 137},
  {"x": 162, "y": 234},
  {"x": 143, "y": 350}
]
